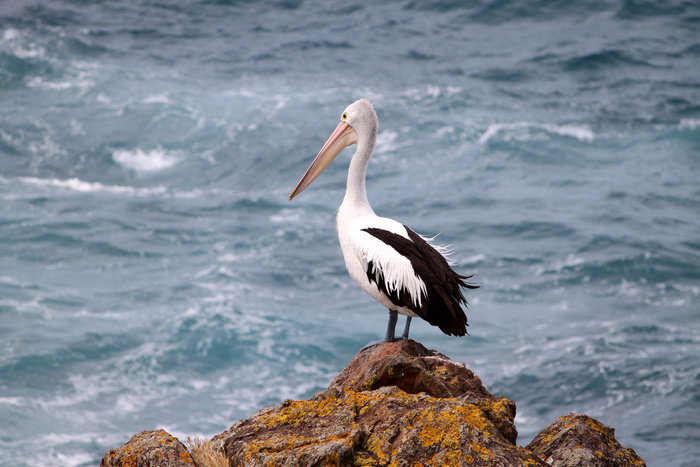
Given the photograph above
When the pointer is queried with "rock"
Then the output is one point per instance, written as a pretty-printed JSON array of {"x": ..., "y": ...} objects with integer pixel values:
[
  {"x": 411, "y": 367},
  {"x": 395, "y": 404},
  {"x": 577, "y": 440},
  {"x": 388, "y": 425},
  {"x": 149, "y": 448}
]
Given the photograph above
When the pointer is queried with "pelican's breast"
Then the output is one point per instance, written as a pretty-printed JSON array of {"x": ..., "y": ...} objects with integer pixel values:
[{"x": 381, "y": 271}]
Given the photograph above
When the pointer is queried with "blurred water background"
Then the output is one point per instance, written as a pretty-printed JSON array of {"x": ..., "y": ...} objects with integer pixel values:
[{"x": 153, "y": 273}]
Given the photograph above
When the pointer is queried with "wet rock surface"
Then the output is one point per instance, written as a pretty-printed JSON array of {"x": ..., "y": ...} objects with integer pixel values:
[{"x": 397, "y": 404}]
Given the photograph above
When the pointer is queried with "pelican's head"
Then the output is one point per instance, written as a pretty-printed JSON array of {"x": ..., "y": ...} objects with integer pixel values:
[{"x": 358, "y": 124}]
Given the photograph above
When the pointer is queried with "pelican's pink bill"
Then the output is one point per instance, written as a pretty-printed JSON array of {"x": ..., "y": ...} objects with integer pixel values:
[{"x": 343, "y": 136}]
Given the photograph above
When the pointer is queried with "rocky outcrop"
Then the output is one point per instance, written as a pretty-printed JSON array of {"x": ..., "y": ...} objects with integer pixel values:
[
  {"x": 577, "y": 440},
  {"x": 416, "y": 370},
  {"x": 400, "y": 404},
  {"x": 149, "y": 448}
]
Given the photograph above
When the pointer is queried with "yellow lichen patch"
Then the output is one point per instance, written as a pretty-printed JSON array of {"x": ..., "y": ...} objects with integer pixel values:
[
  {"x": 367, "y": 385},
  {"x": 291, "y": 441},
  {"x": 378, "y": 443},
  {"x": 442, "y": 426},
  {"x": 452, "y": 458},
  {"x": 482, "y": 451},
  {"x": 363, "y": 459},
  {"x": 599, "y": 428},
  {"x": 500, "y": 408},
  {"x": 620, "y": 451},
  {"x": 444, "y": 429},
  {"x": 130, "y": 459},
  {"x": 549, "y": 438},
  {"x": 529, "y": 460},
  {"x": 365, "y": 400},
  {"x": 379, "y": 446},
  {"x": 295, "y": 413}
]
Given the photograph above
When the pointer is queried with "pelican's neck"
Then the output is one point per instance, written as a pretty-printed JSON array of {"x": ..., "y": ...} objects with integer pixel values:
[{"x": 356, "y": 193}]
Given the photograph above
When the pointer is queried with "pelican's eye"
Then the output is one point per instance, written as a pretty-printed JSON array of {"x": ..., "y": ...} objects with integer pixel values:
[{"x": 344, "y": 117}]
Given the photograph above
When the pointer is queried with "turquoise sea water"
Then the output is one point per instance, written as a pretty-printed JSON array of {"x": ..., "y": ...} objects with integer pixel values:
[{"x": 153, "y": 273}]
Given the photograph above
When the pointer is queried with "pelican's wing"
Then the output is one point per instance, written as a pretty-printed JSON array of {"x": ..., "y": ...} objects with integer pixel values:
[
  {"x": 412, "y": 273},
  {"x": 390, "y": 269}
]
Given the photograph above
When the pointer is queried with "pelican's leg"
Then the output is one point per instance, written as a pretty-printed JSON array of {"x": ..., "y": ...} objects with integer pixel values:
[
  {"x": 391, "y": 328},
  {"x": 405, "y": 329}
]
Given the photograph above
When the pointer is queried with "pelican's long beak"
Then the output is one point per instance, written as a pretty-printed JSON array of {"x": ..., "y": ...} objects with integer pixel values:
[{"x": 343, "y": 136}]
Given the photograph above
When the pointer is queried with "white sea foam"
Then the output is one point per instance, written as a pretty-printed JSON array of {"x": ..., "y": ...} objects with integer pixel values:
[
  {"x": 75, "y": 184},
  {"x": 80, "y": 80},
  {"x": 146, "y": 161},
  {"x": 478, "y": 258},
  {"x": 580, "y": 133},
  {"x": 158, "y": 99},
  {"x": 66, "y": 460},
  {"x": 386, "y": 141},
  {"x": 558, "y": 265},
  {"x": 689, "y": 124},
  {"x": 101, "y": 97},
  {"x": 287, "y": 216},
  {"x": 13, "y": 38},
  {"x": 14, "y": 401},
  {"x": 444, "y": 132},
  {"x": 9, "y": 34}
]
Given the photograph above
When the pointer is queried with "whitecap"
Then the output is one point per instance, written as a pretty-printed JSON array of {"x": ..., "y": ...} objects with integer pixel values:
[
  {"x": 558, "y": 265},
  {"x": 287, "y": 216},
  {"x": 146, "y": 161},
  {"x": 79, "y": 80},
  {"x": 689, "y": 124},
  {"x": 158, "y": 99},
  {"x": 75, "y": 184},
  {"x": 386, "y": 141},
  {"x": 580, "y": 133},
  {"x": 478, "y": 258},
  {"x": 38, "y": 82},
  {"x": 67, "y": 460},
  {"x": 445, "y": 131},
  {"x": 9, "y": 34},
  {"x": 14, "y": 401},
  {"x": 31, "y": 50}
]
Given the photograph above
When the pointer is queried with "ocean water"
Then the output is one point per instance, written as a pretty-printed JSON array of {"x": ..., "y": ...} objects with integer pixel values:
[{"x": 153, "y": 273}]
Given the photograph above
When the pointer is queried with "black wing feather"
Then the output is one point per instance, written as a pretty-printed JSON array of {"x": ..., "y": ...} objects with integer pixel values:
[{"x": 442, "y": 307}]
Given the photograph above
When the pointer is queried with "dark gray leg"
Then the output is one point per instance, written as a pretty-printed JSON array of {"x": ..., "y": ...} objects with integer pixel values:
[
  {"x": 391, "y": 328},
  {"x": 408, "y": 326}
]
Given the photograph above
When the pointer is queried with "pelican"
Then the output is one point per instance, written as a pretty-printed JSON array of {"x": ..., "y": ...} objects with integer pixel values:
[{"x": 397, "y": 267}]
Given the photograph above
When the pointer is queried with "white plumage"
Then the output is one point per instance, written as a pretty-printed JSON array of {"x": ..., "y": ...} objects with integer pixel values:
[{"x": 360, "y": 248}]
